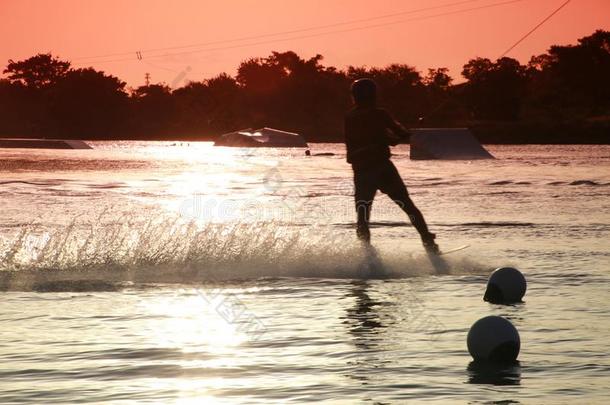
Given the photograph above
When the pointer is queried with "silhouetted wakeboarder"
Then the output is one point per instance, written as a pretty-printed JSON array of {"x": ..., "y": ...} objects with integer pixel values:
[{"x": 369, "y": 133}]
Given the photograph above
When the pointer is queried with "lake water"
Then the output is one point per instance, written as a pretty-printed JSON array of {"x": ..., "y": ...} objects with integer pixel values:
[{"x": 182, "y": 273}]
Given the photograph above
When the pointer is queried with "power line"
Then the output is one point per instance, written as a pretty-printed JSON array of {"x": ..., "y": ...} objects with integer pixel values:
[
  {"x": 322, "y": 33},
  {"x": 316, "y": 28},
  {"x": 513, "y": 46},
  {"x": 530, "y": 32}
]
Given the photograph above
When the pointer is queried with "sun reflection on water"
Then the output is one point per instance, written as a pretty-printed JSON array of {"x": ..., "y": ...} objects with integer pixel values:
[{"x": 187, "y": 321}]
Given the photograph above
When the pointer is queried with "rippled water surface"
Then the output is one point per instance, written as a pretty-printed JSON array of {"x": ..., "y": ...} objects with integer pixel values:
[{"x": 184, "y": 273}]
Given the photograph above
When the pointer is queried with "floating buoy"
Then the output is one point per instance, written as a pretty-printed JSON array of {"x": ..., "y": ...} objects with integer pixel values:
[
  {"x": 493, "y": 339},
  {"x": 506, "y": 285}
]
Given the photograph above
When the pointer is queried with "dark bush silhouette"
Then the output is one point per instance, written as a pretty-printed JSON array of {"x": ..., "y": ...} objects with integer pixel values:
[
  {"x": 571, "y": 82},
  {"x": 152, "y": 110},
  {"x": 89, "y": 102},
  {"x": 16, "y": 109}
]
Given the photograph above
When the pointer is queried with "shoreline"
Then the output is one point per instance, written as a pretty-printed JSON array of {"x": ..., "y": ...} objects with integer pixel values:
[{"x": 488, "y": 133}]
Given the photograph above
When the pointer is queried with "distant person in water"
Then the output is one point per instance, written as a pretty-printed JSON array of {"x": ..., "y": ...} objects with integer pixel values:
[{"x": 369, "y": 133}]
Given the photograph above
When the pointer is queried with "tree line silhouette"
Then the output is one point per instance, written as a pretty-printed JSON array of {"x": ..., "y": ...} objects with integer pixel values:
[{"x": 562, "y": 95}]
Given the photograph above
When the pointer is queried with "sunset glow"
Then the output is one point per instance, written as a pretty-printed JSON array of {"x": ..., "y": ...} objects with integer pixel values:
[{"x": 444, "y": 36}]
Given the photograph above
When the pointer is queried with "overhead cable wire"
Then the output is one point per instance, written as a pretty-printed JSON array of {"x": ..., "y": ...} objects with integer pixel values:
[
  {"x": 253, "y": 37},
  {"x": 322, "y": 33},
  {"x": 513, "y": 46},
  {"x": 530, "y": 32}
]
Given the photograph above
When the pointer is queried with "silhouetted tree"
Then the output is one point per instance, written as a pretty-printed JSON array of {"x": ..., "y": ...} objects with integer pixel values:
[
  {"x": 260, "y": 75},
  {"x": 152, "y": 110},
  {"x": 442, "y": 106},
  {"x": 495, "y": 90},
  {"x": 44, "y": 96},
  {"x": 15, "y": 114},
  {"x": 294, "y": 93},
  {"x": 260, "y": 79},
  {"x": 572, "y": 81},
  {"x": 88, "y": 104},
  {"x": 225, "y": 103},
  {"x": 438, "y": 78},
  {"x": 30, "y": 82},
  {"x": 38, "y": 71},
  {"x": 303, "y": 102},
  {"x": 211, "y": 106},
  {"x": 192, "y": 108}
]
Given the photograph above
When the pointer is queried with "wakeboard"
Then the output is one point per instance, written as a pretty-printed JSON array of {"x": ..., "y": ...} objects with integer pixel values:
[{"x": 457, "y": 249}]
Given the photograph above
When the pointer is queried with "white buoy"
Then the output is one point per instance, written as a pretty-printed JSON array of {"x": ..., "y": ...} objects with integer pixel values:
[
  {"x": 493, "y": 339},
  {"x": 506, "y": 285}
]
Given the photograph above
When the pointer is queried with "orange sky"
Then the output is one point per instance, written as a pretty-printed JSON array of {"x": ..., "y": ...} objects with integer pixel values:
[{"x": 74, "y": 29}]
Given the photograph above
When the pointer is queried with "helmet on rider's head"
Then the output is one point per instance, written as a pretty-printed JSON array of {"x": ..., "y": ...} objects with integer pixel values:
[{"x": 364, "y": 92}]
